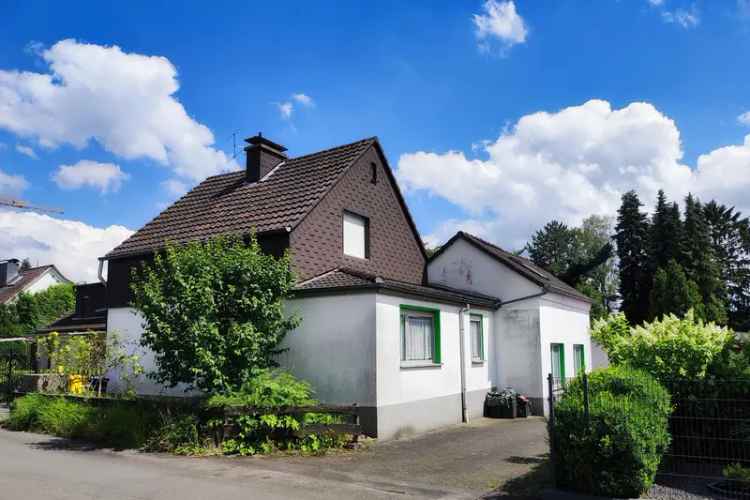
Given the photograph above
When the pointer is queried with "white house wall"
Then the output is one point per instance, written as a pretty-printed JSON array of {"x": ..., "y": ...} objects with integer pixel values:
[
  {"x": 517, "y": 349},
  {"x": 45, "y": 281},
  {"x": 416, "y": 399},
  {"x": 465, "y": 267},
  {"x": 126, "y": 323},
  {"x": 565, "y": 321},
  {"x": 334, "y": 347}
]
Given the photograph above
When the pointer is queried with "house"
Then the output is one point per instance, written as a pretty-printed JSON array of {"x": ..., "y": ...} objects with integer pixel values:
[
  {"x": 542, "y": 326},
  {"x": 414, "y": 343},
  {"x": 15, "y": 279}
]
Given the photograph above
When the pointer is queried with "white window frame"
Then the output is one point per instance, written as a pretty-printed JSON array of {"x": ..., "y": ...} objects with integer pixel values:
[
  {"x": 477, "y": 358},
  {"x": 411, "y": 311},
  {"x": 353, "y": 221}
]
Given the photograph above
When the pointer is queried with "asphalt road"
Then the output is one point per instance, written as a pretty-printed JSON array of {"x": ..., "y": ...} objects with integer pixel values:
[{"x": 460, "y": 462}]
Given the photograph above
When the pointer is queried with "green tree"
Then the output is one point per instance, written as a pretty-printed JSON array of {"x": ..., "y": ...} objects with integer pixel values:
[
  {"x": 666, "y": 233},
  {"x": 555, "y": 247},
  {"x": 730, "y": 239},
  {"x": 700, "y": 262},
  {"x": 632, "y": 237},
  {"x": 674, "y": 293},
  {"x": 213, "y": 312}
]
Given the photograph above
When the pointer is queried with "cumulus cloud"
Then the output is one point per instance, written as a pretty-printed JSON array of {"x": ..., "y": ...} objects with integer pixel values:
[
  {"x": 12, "y": 185},
  {"x": 106, "y": 177},
  {"x": 570, "y": 164},
  {"x": 499, "y": 21},
  {"x": 744, "y": 118},
  {"x": 72, "y": 246},
  {"x": 26, "y": 150},
  {"x": 285, "y": 109},
  {"x": 124, "y": 101}
]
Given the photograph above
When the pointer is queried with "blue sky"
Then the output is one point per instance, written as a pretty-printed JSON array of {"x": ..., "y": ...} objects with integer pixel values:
[{"x": 452, "y": 89}]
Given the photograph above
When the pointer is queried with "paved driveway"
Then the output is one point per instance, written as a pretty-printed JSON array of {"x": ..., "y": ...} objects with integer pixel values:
[{"x": 459, "y": 462}]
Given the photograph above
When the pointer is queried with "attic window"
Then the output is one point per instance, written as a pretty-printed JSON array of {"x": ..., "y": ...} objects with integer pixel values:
[
  {"x": 374, "y": 173},
  {"x": 356, "y": 235}
]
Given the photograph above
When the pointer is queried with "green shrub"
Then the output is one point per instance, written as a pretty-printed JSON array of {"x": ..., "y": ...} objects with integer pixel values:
[
  {"x": 264, "y": 433},
  {"x": 116, "y": 424},
  {"x": 617, "y": 452},
  {"x": 24, "y": 414},
  {"x": 668, "y": 348},
  {"x": 180, "y": 433}
]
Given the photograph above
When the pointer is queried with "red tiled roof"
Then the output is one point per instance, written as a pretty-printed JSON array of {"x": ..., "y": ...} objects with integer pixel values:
[
  {"x": 228, "y": 204},
  {"x": 24, "y": 279}
]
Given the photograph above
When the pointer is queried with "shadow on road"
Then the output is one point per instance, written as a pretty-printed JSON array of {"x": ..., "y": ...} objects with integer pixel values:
[{"x": 527, "y": 486}]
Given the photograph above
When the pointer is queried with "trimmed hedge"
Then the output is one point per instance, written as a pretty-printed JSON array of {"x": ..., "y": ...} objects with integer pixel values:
[{"x": 617, "y": 452}]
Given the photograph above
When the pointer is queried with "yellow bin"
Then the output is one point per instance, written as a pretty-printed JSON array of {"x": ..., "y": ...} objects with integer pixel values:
[{"x": 76, "y": 384}]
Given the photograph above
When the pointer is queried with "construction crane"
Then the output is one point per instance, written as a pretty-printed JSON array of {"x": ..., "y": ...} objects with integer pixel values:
[{"x": 24, "y": 205}]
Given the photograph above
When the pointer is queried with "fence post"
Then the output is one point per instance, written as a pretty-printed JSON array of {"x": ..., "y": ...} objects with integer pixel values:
[
  {"x": 551, "y": 419},
  {"x": 586, "y": 414}
]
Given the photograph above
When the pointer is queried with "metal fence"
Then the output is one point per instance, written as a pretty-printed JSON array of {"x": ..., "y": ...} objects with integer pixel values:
[{"x": 709, "y": 454}]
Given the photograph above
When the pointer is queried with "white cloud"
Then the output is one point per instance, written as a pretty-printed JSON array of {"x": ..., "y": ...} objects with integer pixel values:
[
  {"x": 106, "y": 177},
  {"x": 683, "y": 17},
  {"x": 744, "y": 118},
  {"x": 26, "y": 150},
  {"x": 304, "y": 100},
  {"x": 656, "y": 3},
  {"x": 71, "y": 245},
  {"x": 12, "y": 185},
  {"x": 175, "y": 187},
  {"x": 570, "y": 164},
  {"x": 124, "y": 101},
  {"x": 285, "y": 109},
  {"x": 499, "y": 21}
]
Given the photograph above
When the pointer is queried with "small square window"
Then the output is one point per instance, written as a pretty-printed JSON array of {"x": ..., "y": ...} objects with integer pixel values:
[
  {"x": 477, "y": 338},
  {"x": 420, "y": 336},
  {"x": 356, "y": 235}
]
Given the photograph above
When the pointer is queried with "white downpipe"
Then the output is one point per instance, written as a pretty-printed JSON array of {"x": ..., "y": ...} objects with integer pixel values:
[
  {"x": 462, "y": 353},
  {"x": 100, "y": 273}
]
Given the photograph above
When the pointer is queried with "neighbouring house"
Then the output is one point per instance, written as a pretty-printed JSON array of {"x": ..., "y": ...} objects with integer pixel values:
[
  {"x": 88, "y": 318},
  {"x": 415, "y": 343},
  {"x": 14, "y": 279}
]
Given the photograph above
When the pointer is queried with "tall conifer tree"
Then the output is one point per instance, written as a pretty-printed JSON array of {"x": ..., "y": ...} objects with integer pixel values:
[
  {"x": 632, "y": 237},
  {"x": 700, "y": 262}
]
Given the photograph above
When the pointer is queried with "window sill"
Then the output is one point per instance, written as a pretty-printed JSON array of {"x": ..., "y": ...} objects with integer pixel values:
[{"x": 407, "y": 365}]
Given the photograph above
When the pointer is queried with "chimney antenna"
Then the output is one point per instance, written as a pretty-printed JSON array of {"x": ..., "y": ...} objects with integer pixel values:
[{"x": 24, "y": 205}]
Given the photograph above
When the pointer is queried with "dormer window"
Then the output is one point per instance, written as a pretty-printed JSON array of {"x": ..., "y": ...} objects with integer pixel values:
[{"x": 356, "y": 235}]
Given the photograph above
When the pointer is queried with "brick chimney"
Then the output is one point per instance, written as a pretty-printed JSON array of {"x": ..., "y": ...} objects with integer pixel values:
[{"x": 262, "y": 156}]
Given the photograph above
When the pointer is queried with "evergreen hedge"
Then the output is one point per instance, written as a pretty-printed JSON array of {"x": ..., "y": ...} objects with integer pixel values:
[{"x": 618, "y": 450}]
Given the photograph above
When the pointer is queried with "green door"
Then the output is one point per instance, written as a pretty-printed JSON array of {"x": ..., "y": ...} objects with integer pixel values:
[
  {"x": 558, "y": 361},
  {"x": 580, "y": 361}
]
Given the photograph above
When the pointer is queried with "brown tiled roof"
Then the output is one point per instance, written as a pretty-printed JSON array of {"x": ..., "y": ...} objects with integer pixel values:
[
  {"x": 24, "y": 279},
  {"x": 228, "y": 204},
  {"x": 345, "y": 280},
  {"x": 72, "y": 323},
  {"x": 523, "y": 266}
]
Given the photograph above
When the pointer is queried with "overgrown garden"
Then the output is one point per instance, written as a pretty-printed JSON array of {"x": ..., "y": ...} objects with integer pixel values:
[{"x": 214, "y": 319}]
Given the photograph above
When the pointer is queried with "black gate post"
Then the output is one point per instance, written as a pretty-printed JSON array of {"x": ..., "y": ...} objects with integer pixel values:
[
  {"x": 586, "y": 412},
  {"x": 551, "y": 420}
]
